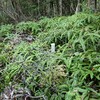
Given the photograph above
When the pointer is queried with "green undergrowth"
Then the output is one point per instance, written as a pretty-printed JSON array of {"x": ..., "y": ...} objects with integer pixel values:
[{"x": 71, "y": 73}]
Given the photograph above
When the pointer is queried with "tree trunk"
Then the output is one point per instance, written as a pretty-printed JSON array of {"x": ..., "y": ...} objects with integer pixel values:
[
  {"x": 9, "y": 9},
  {"x": 89, "y": 4},
  {"x": 47, "y": 8},
  {"x": 38, "y": 7},
  {"x": 60, "y": 7},
  {"x": 79, "y": 7},
  {"x": 92, "y": 5},
  {"x": 55, "y": 8},
  {"x": 95, "y": 5}
]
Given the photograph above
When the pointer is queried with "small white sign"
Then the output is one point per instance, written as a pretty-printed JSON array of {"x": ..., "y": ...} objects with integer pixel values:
[{"x": 53, "y": 47}]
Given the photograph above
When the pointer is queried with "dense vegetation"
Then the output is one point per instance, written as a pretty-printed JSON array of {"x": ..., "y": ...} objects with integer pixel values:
[{"x": 71, "y": 73}]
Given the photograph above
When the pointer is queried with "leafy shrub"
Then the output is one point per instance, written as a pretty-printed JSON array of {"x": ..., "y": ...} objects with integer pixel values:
[
  {"x": 28, "y": 27},
  {"x": 80, "y": 30},
  {"x": 6, "y": 29}
]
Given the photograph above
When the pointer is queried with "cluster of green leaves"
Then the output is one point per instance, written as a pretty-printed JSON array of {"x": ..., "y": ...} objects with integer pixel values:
[
  {"x": 29, "y": 27},
  {"x": 72, "y": 72},
  {"x": 5, "y": 29}
]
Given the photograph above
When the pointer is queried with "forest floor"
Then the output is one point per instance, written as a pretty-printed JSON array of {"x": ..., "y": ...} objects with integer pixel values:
[{"x": 29, "y": 70}]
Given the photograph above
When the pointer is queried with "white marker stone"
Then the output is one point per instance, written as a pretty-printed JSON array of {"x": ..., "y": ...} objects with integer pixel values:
[{"x": 53, "y": 47}]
